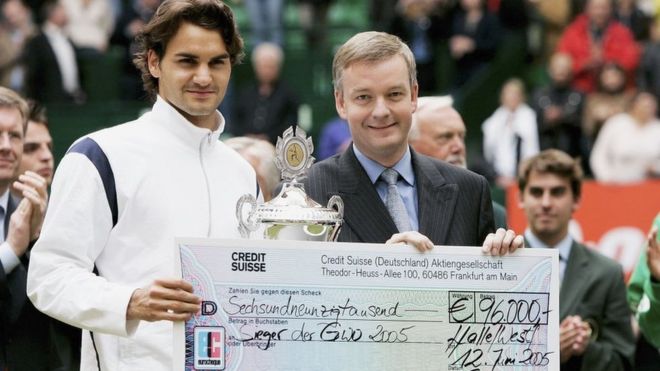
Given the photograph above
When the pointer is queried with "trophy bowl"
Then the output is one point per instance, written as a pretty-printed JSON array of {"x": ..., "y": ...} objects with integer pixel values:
[{"x": 292, "y": 214}]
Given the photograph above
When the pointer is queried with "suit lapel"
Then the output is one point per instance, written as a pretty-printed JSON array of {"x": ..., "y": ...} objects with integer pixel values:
[
  {"x": 575, "y": 276},
  {"x": 436, "y": 199},
  {"x": 11, "y": 206},
  {"x": 364, "y": 211}
]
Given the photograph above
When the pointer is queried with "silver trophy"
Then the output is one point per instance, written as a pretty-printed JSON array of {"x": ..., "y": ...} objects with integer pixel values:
[{"x": 291, "y": 215}]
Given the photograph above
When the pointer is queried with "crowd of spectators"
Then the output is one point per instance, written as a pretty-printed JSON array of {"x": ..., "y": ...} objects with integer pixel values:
[{"x": 596, "y": 55}]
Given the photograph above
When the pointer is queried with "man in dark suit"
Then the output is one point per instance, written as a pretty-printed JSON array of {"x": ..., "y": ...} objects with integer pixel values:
[
  {"x": 595, "y": 331},
  {"x": 23, "y": 330},
  {"x": 391, "y": 193},
  {"x": 52, "y": 73}
]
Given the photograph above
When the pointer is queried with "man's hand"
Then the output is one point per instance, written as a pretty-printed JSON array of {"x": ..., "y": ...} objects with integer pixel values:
[
  {"x": 584, "y": 336},
  {"x": 502, "y": 242},
  {"x": 18, "y": 236},
  {"x": 653, "y": 253},
  {"x": 421, "y": 242},
  {"x": 552, "y": 114},
  {"x": 34, "y": 188},
  {"x": 574, "y": 337},
  {"x": 165, "y": 299}
]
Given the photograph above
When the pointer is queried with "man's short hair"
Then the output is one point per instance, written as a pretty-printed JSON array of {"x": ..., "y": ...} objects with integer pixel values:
[
  {"x": 37, "y": 113},
  {"x": 433, "y": 103},
  {"x": 266, "y": 48},
  {"x": 208, "y": 14},
  {"x": 262, "y": 150},
  {"x": 10, "y": 99},
  {"x": 552, "y": 161},
  {"x": 371, "y": 46}
]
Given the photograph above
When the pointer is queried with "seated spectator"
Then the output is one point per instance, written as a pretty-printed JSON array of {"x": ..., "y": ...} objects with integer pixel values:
[
  {"x": 628, "y": 147},
  {"x": 261, "y": 155},
  {"x": 644, "y": 300},
  {"x": 559, "y": 109},
  {"x": 648, "y": 75},
  {"x": 630, "y": 15},
  {"x": 554, "y": 16},
  {"x": 16, "y": 28},
  {"x": 267, "y": 107},
  {"x": 37, "y": 144},
  {"x": 335, "y": 138},
  {"x": 473, "y": 41},
  {"x": 90, "y": 25},
  {"x": 420, "y": 26},
  {"x": 131, "y": 21},
  {"x": 610, "y": 99},
  {"x": 595, "y": 38},
  {"x": 595, "y": 333},
  {"x": 51, "y": 68},
  {"x": 510, "y": 134},
  {"x": 438, "y": 131},
  {"x": 313, "y": 16}
]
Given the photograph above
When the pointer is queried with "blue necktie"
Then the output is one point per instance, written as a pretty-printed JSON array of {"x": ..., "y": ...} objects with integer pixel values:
[{"x": 394, "y": 202}]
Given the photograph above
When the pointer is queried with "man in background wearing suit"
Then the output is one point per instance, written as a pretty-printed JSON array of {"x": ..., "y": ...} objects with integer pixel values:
[
  {"x": 23, "y": 329},
  {"x": 438, "y": 131},
  {"x": 52, "y": 73},
  {"x": 595, "y": 332},
  {"x": 391, "y": 193}
]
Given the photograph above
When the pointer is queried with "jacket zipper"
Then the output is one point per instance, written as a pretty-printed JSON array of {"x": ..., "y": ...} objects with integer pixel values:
[{"x": 206, "y": 179}]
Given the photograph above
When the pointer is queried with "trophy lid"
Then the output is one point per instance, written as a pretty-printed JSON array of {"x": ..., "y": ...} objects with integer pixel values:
[{"x": 293, "y": 153}]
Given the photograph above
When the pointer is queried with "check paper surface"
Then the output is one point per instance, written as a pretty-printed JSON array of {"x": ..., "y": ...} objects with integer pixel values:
[{"x": 288, "y": 305}]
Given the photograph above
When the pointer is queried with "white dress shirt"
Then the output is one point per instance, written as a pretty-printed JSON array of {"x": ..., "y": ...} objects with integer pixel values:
[
  {"x": 65, "y": 56},
  {"x": 8, "y": 258}
]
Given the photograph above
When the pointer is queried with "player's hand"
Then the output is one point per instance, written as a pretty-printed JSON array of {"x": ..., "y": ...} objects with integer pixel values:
[{"x": 164, "y": 299}]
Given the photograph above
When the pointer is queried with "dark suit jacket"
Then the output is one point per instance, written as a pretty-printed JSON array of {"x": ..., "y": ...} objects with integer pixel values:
[
  {"x": 27, "y": 336},
  {"x": 43, "y": 79},
  {"x": 454, "y": 205},
  {"x": 593, "y": 288}
]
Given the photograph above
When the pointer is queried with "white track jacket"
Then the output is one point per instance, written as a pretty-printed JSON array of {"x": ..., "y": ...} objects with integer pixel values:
[{"x": 119, "y": 198}]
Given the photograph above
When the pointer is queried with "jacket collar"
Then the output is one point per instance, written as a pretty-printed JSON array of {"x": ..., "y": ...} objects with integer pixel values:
[{"x": 165, "y": 115}]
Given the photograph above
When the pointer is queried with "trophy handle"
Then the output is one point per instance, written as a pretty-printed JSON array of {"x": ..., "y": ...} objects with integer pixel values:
[
  {"x": 246, "y": 223},
  {"x": 336, "y": 203}
]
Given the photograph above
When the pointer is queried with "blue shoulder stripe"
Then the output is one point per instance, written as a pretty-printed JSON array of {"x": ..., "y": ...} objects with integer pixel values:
[{"x": 95, "y": 154}]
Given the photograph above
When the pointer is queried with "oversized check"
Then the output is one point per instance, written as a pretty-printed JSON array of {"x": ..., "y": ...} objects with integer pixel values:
[{"x": 289, "y": 305}]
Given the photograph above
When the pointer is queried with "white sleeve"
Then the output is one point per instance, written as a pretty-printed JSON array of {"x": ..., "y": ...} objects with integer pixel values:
[
  {"x": 8, "y": 258},
  {"x": 75, "y": 231}
]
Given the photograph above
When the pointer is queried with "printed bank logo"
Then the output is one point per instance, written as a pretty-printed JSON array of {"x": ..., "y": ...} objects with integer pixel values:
[
  {"x": 248, "y": 261},
  {"x": 209, "y": 348}
]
